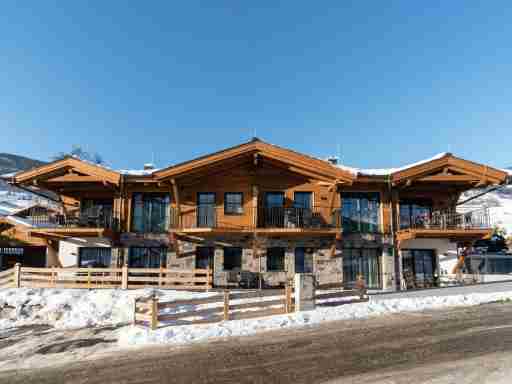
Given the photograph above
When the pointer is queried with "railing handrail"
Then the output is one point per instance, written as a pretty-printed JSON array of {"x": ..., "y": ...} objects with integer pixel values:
[
  {"x": 448, "y": 219},
  {"x": 267, "y": 217}
]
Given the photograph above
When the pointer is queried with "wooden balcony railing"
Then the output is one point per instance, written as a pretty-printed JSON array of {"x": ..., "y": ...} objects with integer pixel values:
[
  {"x": 250, "y": 218},
  {"x": 478, "y": 219},
  {"x": 85, "y": 219}
]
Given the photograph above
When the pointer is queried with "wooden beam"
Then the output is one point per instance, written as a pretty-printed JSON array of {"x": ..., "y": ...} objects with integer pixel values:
[
  {"x": 176, "y": 193},
  {"x": 449, "y": 178}
]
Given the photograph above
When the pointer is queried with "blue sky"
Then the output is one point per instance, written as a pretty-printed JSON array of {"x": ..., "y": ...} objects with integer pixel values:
[{"x": 385, "y": 83}]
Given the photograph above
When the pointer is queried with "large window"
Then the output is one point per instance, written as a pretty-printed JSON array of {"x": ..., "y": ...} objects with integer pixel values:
[
  {"x": 233, "y": 203},
  {"x": 232, "y": 258},
  {"x": 96, "y": 213},
  {"x": 361, "y": 261},
  {"x": 360, "y": 212},
  {"x": 275, "y": 259},
  {"x": 419, "y": 264},
  {"x": 301, "y": 264},
  {"x": 150, "y": 212},
  {"x": 204, "y": 257},
  {"x": 206, "y": 213},
  {"x": 414, "y": 214},
  {"x": 147, "y": 257},
  {"x": 302, "y": 200},
  {"x": 96, "y": 257}
]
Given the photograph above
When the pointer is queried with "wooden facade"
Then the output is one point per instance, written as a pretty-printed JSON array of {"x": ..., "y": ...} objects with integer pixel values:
[{"x": 254, "y": 170}]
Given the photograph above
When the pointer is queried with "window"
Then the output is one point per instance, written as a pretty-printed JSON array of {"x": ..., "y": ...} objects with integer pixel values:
[
  {"x": 97, "y": 213},
  {"x": 150, "y": 212},
  {"x": 414, "y": 214},
  {"x": 147, "y": 257},
  {"x": 233, "y": 203},
  {"x": 204, "y": 257},
  {"x": 206, "y": 215},
  {"x": 274, "y": 199},
  {"x": 301, "y": 264},
  {"x": 275, "y": 259},
  {"x": 302, "y": 200},
  {"x": 96, "y": 257},
  {"x": 360, "y": 212},
  {"x": 361, "y": 261},
  {"x": 232, "y": 258},
  {"x": 419, "y": 263}
]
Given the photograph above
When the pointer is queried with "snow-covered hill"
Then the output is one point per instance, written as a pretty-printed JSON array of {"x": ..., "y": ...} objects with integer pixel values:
[{"x": 499, "y": 203}]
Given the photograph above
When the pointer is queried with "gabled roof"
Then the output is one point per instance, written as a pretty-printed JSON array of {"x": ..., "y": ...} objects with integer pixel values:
[
  {"x": 90, "y": 172},
  {"x": 295, "y": 161},
  {"x": 448, "y": 167}
]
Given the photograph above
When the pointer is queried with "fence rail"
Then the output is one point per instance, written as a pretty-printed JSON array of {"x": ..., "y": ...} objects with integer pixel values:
[
  {"x": 232, "y": 305},
  {"x": 124, "y": 278},
  {"x": 224, "y": 305}
]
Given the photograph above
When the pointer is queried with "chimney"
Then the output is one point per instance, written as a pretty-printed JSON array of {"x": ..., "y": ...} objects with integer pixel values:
[
  {"x": 149, "y": 166},
  {"x": 333, "y": 160}
]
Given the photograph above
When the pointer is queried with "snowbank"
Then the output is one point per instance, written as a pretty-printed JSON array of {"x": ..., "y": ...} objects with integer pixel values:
[
  {"x": 75, "y": 308},
  {"x": 135, "y": 335}
]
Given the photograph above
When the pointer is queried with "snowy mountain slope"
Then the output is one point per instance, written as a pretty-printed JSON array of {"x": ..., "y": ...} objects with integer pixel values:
[{"x": 499, "y": 203}]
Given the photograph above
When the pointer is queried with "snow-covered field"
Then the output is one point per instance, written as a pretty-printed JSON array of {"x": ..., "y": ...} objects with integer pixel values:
[{"x": 70, "y": 309}]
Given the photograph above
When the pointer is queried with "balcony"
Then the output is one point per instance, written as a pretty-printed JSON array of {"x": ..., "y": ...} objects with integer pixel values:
[
  {"x": 90, "y": 222},
  {"x": 457, "y": 226},
  {"x": 261, "y": 220}
]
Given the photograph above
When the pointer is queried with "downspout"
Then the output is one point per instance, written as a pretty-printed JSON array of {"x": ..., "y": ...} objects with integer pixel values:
[{"x": 396, "y": 280}]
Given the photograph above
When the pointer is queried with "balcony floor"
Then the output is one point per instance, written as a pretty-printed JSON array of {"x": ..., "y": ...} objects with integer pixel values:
[
  {"x": 459, "y": 234},
  {"x": 263, "y": 231}
]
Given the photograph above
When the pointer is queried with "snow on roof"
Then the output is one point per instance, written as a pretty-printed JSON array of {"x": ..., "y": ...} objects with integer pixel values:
[
  {"x": 137, "y": 172},
  {"x": 389, "y": 171}
]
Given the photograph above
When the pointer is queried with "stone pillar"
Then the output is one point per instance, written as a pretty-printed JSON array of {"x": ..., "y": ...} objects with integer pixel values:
[
  {"x": 388, "y": 270},
  {"x": 304, "y": 291}
]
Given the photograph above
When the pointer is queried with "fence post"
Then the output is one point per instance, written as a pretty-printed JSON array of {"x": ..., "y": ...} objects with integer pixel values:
[
  {"x": 288, "y": 298},
  {"x": 160, "y": 273},
  {"x": 89, "y": 277},
  {"x": 17, "y": 275},
  {"x": 154, "y": 312},
  {"x": 226, "y": 304},
  {"x": 124, "y": 277},
  {"x": 305, "y": 291}
]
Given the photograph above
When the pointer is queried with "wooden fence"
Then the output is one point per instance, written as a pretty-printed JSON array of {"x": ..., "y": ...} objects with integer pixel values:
[
  {"x": 224, "y": 305},
  {"x": 231, "y": 305},
  {"x": 7, "y": 278},
  {"x": 124, "y": 278}
]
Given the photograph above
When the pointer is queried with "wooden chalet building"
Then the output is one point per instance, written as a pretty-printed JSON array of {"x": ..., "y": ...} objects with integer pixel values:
[{"x": 257, "y": 213}]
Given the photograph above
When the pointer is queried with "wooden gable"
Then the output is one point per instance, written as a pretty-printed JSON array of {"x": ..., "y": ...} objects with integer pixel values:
[
  {"x": 65, "y": 171},
  {"x": 254, "y": 152},
  {"x": 449, "y": 169}
]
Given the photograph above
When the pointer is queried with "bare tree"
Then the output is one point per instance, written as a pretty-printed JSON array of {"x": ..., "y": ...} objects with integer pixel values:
[{"x": 78, "y": 152}]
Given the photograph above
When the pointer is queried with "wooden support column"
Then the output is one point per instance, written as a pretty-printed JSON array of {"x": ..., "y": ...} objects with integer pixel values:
[
  {"x": 176, "y": 193},
  {"x": 255, "y": 197}
]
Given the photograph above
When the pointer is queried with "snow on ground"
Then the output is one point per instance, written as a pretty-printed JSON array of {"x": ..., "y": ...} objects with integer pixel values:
[
  {"x": 136, "y": 335},
  {"x": 65, "y": 309},
  {"x": 75, "y": 308}
]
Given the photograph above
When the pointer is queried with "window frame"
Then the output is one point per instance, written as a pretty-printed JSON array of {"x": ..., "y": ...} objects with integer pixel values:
[
  {"x": 81, "y": 249},
  {"x": 311, "y": 199},
  {"x": 163, "y": 256},
  {"x": 269, "y": 260},
  {"x": 241, "y": 208},
  {"x": 146, "y": 224},
  {"x": 224, "y": 259},
  {"x": 362, "y": 211}
]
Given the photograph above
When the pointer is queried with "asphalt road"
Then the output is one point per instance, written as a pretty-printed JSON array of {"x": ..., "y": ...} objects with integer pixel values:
[{"x": 469, "y": 345}]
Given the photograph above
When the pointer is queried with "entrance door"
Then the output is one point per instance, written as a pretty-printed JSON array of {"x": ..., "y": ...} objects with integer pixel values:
[
  {"x": 274, "y": 209},
  {"x": 419, "y": 266},
  {"x": 206, "y": 217},
  {"x": 204, "y": 257}
]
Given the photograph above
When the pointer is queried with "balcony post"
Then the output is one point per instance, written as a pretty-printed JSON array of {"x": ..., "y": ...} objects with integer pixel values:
[
  {"x": 176, "y": 194},
  {"x": 255, "y": 193}
]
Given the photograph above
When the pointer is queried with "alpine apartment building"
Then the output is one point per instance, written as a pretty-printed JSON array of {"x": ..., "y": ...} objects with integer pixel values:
[{"x": 257, "y": 213}]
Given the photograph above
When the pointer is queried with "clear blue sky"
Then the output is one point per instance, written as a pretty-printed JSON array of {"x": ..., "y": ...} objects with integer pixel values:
[{"x": 388, "y": 82}]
